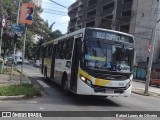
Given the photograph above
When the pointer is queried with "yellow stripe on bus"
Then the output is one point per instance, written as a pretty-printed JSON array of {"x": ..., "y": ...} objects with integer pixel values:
[
  {"x": 101, "y": 82},
  {"x": 84, "y": 74},
  {"x": 47, "y": 61}
]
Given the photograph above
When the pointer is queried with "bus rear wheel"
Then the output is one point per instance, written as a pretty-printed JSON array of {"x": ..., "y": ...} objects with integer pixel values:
[{"x": 65, "y": 86}]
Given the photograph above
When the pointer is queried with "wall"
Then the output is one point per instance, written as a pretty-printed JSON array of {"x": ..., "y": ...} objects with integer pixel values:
[{"x": 143, "y": 30}]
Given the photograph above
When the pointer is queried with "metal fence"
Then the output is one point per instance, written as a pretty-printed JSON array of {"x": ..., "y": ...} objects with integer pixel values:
[{"x": 139, "y": 73}]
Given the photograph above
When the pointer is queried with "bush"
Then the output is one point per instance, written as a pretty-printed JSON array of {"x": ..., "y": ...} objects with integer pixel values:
[
  {"x": 25, "y": 89},
  {"x": 1, "y": 60}
]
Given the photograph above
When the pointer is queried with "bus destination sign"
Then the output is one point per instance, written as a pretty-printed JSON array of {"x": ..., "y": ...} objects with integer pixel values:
[{"x": 111, "y": 36}]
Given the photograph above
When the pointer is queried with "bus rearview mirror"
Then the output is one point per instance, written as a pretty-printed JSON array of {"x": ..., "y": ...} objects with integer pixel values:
[{"x": 68, "y": 64}]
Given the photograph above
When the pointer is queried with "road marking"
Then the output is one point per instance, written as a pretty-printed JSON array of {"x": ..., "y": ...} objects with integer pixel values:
[
  {"x": 32, "y": 102},
  {"x": 41, "y": 108},
  {"x": 33, "y": 73},
  {"x": 42, "y": 83}
]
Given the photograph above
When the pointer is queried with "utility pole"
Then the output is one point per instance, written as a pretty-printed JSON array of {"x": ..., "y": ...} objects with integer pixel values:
[
  {"x": 115, "y": 14},
  {"x": 14, "y": 51},
  {"x": 15, "y": 41},
  {"x": 1, "y": 40},
  {"x": 152, "y": 50},
  {"x": 23, "y": 53},
  {"x": 2, "y": 25}
]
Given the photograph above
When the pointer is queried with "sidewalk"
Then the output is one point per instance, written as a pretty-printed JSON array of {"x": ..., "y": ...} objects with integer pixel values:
[
  {"x": 138, "y": 87},
  {"x": 5, "y": 79}
]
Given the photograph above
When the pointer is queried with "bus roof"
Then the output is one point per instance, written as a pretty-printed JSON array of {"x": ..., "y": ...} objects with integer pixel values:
[
  {"x": 80, "y": 31},
  {"x": 114, "y": 31},
  {"x": 64, "y": 36}
]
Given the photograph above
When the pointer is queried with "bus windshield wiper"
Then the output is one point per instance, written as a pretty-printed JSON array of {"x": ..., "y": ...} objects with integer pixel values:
[{"x": 99, "y": 45}]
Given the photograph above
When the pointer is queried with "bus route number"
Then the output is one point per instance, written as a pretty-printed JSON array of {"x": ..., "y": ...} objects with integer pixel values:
[{"x": 108, "y": 36}]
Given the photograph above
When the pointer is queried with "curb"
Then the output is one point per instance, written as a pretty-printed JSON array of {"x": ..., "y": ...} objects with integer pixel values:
[
  {"x": 22, "y": 96},
  {"x": 42, "y": 91},
  {"x": 140, "y": 91},
  {"x": 38, "y": 86},
  {"x": 12, "y": 97}
]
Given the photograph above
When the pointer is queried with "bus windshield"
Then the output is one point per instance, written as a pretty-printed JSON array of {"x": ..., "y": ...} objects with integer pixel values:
[{"x": 108, "y": 56}]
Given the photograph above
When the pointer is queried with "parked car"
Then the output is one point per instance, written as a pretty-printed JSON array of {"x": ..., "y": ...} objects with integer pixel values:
[
  {"x": 155, "y": 78},
  {"x": 155, "y": 81},
  {"x": 26, "y": 62},
  {"x": 38, "y": 63},
  {"x": 19, "y": 60},
  {"x": 9, "y": 61}
]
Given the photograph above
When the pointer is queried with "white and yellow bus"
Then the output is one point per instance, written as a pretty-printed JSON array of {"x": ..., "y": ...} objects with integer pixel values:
[{"x": 91, "y": 61}]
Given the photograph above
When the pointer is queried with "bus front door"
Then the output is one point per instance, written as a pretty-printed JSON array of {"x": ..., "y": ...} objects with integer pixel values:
[{"x": 75, "y": 63}]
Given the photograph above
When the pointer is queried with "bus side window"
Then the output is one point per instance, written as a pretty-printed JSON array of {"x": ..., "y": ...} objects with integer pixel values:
[
  {"x": 69, "y": 48},
  {"x": 50, "y": 50},
  {"x": 57, "y": 54},
  {"x": 59, "y": 50},
  {"x": 45, "y": 51},
  {"x": 64, "y": 49}
]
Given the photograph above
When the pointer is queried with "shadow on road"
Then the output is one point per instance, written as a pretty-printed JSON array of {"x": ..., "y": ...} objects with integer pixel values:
[
  {"x": 93, "y": 101},
  {"x": 56, "y": 96}
]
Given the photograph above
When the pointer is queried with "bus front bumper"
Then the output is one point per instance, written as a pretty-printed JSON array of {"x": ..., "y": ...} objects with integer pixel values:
[{"x": 84, "y": 89}]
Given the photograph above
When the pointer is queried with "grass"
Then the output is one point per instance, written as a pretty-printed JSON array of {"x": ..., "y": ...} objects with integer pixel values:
[
  {"x": 25, "y": 89},
  {"x": 7, "y": 71},
  {"x": 148, "y": 93}
]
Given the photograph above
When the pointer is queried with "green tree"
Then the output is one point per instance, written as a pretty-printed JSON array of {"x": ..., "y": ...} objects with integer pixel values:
[
  {"x": 9, "y": 9},
  {"x": 39, "y": 27},
  {"x": 51, "y": 35}
]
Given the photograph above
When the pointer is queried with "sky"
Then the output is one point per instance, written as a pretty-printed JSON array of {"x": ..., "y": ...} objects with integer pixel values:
[{"x": 51, "y": 10}]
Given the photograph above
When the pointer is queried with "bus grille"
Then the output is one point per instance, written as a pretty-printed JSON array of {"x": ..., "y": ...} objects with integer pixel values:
[
  {"x": 110, "y": 77},
  {"x": 114, "y": 89}
]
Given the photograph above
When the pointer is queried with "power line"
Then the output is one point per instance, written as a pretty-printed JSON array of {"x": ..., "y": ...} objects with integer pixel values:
[
  {"x": 58, "y": 4},
  {"x": 61, "y": 14},
  {"x": 55, "y": 10},
  {"x": 53, "y": 5},
  {"x": 61, "y": 24},
  {"x": 48, "y": 2}
]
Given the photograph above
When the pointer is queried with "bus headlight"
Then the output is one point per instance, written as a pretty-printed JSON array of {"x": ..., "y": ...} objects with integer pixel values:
[
  {"x": 88, "y": 82},
  {"x": 128, "y": 85},
  {"x": 82, "y": 78}
]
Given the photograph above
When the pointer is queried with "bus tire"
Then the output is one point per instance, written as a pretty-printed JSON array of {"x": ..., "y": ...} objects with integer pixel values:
[{"x": 65, "y": 85}]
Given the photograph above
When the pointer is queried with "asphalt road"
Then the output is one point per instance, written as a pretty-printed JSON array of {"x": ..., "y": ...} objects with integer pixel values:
[{"x": 56, "y": 100}]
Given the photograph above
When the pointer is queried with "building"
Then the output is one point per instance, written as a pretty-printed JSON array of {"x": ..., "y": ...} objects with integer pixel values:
[{"x": 131, "y": 16}]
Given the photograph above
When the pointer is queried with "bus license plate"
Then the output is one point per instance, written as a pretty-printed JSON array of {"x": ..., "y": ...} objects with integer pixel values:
[{"x": 109, "y": 91}]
